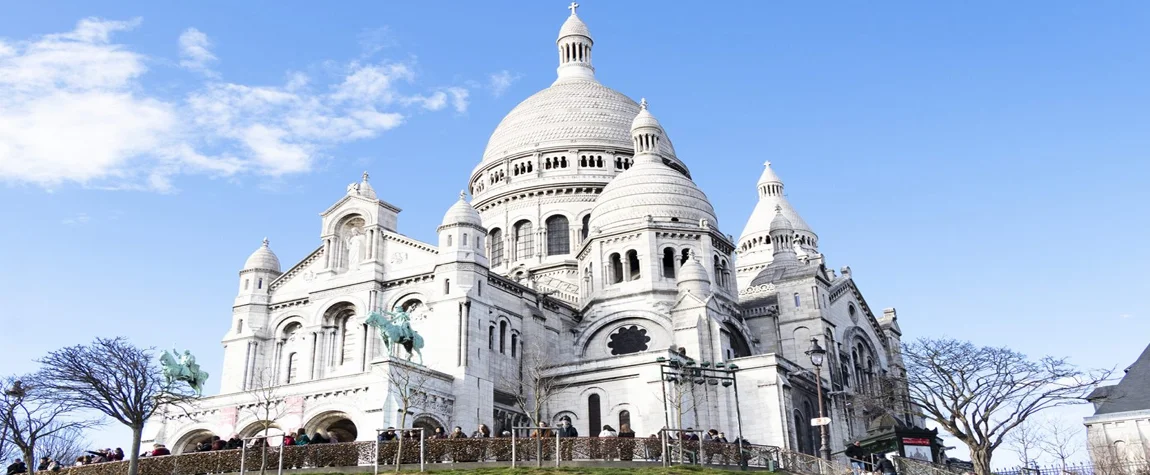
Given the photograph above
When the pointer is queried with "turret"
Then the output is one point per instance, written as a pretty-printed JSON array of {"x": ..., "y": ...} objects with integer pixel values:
[
  {"x": 755, "y": 246},
  {"x": 693, "y": 278},
  {"x": 259, "y": 270},
  {"x": 461, "y": 234}
]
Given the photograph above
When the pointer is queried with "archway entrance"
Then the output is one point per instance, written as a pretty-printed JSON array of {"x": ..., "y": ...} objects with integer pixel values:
[
  {"x": 335, "y": 423},
  {"x": 427, "y": 423},
  {"x": 256, "y": 429},
  {"x": 187, "y": 443}
]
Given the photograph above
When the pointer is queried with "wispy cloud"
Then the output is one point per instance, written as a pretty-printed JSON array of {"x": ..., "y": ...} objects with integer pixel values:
[
  {"x": 79, "y": 219},
  {"x": 195, "y": 54},
  {"x": 83, "y": 86},
  {"x": 1124, "y": 316},
  {"x": 500, "y": 81}
]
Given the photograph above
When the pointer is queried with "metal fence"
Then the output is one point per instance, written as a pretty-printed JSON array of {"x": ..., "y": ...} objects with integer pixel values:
[
  {"x": 497, "y": 451},
  {"x": 1100, "y": 468}
]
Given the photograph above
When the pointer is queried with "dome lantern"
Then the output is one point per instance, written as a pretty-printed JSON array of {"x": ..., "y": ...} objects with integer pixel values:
[
  {"x": 646, "y": 133},
  {"x": 263, "y": 259},
  {"x": 574, "y": 44}
]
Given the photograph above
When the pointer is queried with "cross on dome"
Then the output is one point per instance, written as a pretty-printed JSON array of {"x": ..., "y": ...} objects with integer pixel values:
[
  {"x": 365, "y": 175},
  {"x": 643, "y": 104},
  {"x": 265, "y": 242},
  {"x": 572, "y": 7},
  {"x": 462, "y": 195}
]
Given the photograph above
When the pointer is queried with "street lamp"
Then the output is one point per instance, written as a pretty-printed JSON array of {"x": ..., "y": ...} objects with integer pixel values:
[
  {"x": 817, "y": 354},
  {"x": 676, "y": 371}
]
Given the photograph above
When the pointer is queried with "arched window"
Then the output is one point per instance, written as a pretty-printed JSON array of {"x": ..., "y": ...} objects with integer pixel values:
[
  {"x": 491, "y": 338},
  {"x": 686, "y": 255},
  {"x": 594, "y": 416},
  {"x": 260, "y": 285},
  {"x": 240, "y": 326},
  {"x": 446, "y": 286},
  {"x": 586, "y": 226},
  {"x": 669, "y": 263},
  {"x": 292, "y": 367},
  {"x": 496, "y": 247},
  {"x": 624, "y": 420},
  {"x": 524, "y": 240},
  {"x": 726, "y": 274},
  {"x": 502, "y": 336},
  {"x": 463, "y": 242},
  {"x": 616, "y": 268},
  {"x": 448, "y": 240},
  {"x": 246, "y": 282},
  {"x": 632, "y": 264},
  {"x": 514, "y": 344},
  {"x": 558, "y": 236},
  {"x": 798, "y": 301}
]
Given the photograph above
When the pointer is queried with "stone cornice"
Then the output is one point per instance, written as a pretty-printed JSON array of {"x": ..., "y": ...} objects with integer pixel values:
[{"x": 295, "y": 270}]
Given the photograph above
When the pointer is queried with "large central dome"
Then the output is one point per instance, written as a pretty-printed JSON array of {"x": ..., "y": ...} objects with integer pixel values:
[{"x": 571, "y": 112}]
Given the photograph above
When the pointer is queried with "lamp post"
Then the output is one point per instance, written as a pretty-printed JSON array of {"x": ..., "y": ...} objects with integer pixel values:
[
  {"x": 817, "y": 353},
  {"x": 685, "y": 371}
]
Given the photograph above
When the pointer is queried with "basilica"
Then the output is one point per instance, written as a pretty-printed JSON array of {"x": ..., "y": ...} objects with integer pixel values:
[{"x": 582, "y": 254}]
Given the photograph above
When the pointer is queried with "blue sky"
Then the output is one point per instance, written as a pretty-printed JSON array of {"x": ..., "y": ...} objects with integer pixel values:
[{"x": 981, "y": 166}]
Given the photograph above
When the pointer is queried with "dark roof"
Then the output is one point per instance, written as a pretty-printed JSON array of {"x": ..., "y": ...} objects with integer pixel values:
[
  {"x": 774, "y": 273},
  {"x": 1133, "y": 392}
]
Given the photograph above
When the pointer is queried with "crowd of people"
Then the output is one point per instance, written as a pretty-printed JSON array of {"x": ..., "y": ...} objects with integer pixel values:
[{"x": 49, "y": 464}]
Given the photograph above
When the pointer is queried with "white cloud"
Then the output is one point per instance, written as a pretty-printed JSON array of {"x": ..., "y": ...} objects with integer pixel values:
[
  {"x": 194, "y": 51},
  {"x": 500, "y": 81},
  {"x": 458, "y": 98},
  {"x": 1124, "y": 316},
  {"x": 74, "y": 109}
]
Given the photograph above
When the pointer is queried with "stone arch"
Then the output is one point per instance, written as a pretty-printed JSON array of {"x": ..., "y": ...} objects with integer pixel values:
[
  {"x": 740, "y": 344},
  {"x": 347, "y": 215},
  {"x": 591, "y": 330},
  {"x": 333, "y": 422},
  {"x": 402, "y": 298},
  {"x": 256, "y": 428},
  {"x": 429, "y": 422},
  {"x": 596, "y": 345},
  {"x": 187, "y": 442}
]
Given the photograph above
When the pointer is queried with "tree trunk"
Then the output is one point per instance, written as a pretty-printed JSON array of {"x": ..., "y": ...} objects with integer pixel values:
[
  {"x": 980, "y": 458},
  {"x": 134, "y": 457},
  {"x": 264, "y": 452},
  {"x": 399, "y": 446},
  {"x": 29, "y": 459}
]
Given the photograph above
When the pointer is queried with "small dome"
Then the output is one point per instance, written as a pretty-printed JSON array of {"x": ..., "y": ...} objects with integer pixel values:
[
  {"x": 365, "y": 189},
  {"x": 650, "y": 189},
  {"x": 653, "y": 189},
  {"x": 644, "y": 118},
  {"x": 462, "y": 213},
  {"x": 574, "y": 26},
  {"x": 780, "y": 223},
  {"x": 263, "y": 259},
  {"x": 693, "y": 276}
]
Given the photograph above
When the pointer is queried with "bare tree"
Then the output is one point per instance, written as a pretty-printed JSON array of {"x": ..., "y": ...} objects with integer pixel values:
[
  {"x": 7, "y": 450},
  {"x": 980, "y": 394},
  {"x": 29, "y": 415},
  {"x": 116, "y": 378},
  {"x": 408, "y": 384},
  {"x": 1026, "y": 440},
  {"x": 536, "y": 389},
  {"x": 1062, "y": 440},
  {"x": 267, "y": 406},
  {"x": 64, "y": 446}
]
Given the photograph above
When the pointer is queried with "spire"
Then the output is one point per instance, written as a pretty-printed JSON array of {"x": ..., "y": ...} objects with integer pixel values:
[
  {"x": 769, "y": 183},
  {"x": 646, "y": 133},
  {"x": 266, "y": 242},
  {"x": 575, "y": 44},
  {"x": 462, "y": 195}
]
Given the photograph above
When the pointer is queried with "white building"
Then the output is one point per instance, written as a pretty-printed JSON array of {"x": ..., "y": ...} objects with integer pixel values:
[
  {"x": 1119, "y": 431},
  {"x": 585, "y": 244}
]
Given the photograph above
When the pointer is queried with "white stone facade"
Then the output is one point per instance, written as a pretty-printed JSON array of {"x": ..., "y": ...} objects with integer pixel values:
[{"x": 585, "y": 241}]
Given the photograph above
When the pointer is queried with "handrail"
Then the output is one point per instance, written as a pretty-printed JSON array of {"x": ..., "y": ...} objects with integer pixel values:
[{"x": 497, "y": 451}]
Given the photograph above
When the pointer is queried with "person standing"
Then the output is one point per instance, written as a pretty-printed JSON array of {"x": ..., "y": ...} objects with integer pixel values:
[
  {"x": 626, "y": 442},
  {"x": 886, "y": 466},
  {"x": 856, "y": 454}
]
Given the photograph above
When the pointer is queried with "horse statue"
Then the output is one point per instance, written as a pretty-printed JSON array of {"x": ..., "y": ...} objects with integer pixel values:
[
  {"x": 395, "y": 328},
  {"x": 183, "y": 367}
]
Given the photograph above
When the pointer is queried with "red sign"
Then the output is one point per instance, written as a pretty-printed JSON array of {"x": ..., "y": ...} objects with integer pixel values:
[{"x": 914, "y": 441}]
